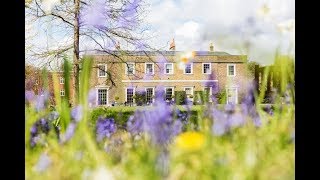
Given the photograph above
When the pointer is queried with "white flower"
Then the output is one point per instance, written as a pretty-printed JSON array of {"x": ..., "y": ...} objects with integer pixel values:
[{"x": 102, "y": 173}]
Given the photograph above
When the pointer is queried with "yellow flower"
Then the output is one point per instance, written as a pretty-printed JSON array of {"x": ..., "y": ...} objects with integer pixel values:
[{"x": 190, "y": 141}]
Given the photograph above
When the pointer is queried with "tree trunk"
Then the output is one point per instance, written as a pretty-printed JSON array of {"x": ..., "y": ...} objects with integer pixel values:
[{"x": 76, "y": 51}]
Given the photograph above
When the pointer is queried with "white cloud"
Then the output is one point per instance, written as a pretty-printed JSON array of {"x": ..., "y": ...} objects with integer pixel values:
[
  {"x": 188, "y": 30},
  {"x": 230, "y": 24}
]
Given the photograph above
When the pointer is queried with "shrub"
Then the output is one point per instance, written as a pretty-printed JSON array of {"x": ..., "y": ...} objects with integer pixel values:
[
  {"x": 200, "y": 98},
  {"x": 221, "y": 96},
  {"x": 140, "y": 98},
  {"x": 180, "y": 97}
]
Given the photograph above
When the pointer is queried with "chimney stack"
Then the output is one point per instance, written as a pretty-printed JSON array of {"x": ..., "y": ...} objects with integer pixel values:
[
  {"x": 172, "y": 45},
  {"x": 211, "y": 47}
]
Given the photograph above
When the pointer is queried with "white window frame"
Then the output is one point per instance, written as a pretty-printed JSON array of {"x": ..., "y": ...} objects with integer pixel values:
[
  {"x": 165, "y": 68},
  {"x": 62, "y": 92},
  {"x": 126, "y": 68},
  {"x": 210, "y": 92},
  {"x": 145, "y": 68},
  {"x": 97, "y": 97},
  {"x": 134, "y": 92},
  {"x": 165, "y": 91},
  {"x": 184, "y": 70},
  {"x": 153, "y": 93},
  {"x": 236, "y": 94},
  {"x": 203, "y": 68},
  {"x": 234, "y": 66},
  {"x": 184, "y": 89},
  {"x": 105, "y": 67},
  {"x": 61, "y": 80}
]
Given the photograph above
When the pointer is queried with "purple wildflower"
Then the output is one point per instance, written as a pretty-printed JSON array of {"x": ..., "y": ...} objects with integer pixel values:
[
  {"x": 257, "y": 121},
  {"x": 220, "y": 122},
  {"x": 76, "y": 113},
  {"x": 128, "y": 17},
  {"x": 92, "y": 97},
  {"x": 40, "y": 103},
  {"x": 95, "y": 14},
  {"x": 69, "y": 132},
  {"x": 105, "y": 128},
  {"x": 229, "y": 108},
  {"x": 236, "y": 120},
  {"x": 29, "y": 96},
  {"x": 43, "y": 163},
  {"x": 44, "y": 124},
  {"x": 158, "y": 123}
]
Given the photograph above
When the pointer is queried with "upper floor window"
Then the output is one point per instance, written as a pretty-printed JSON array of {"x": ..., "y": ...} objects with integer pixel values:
[
  {"x": 231, "y": 69},
  {"x": 61, "y": 80},
  {"x": 188, "y": 68},
  {"x": 102, "y": 68},
  {"x": 62, "y": 92},
  {"x": 168, "y": 68},
  {"x": 206, "y": 68},
  {"x": 130, "y": 68},
  {"x": 149, "y": 68}
]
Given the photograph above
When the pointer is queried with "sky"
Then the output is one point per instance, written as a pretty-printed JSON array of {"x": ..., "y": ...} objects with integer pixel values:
[
  {"x": 257, "y": 28},
  {"x": 253, "y": 27}
]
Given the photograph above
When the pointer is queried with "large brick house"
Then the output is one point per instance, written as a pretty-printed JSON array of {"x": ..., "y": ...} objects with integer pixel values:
[{"x": 150, "y": 71}]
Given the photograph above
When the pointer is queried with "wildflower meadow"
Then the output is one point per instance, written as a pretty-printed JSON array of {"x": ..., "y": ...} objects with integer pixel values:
[{"x": 249, "y": 140}]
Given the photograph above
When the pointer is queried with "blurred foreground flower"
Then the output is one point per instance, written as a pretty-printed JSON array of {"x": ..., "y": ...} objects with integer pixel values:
[
  {"x": 102, "y": 174},
  {"x": 43, "y": 163},
  {"x": 190, "y": 141},
  {"x": 76, "y": 113},
  {"x": 105, "y": 128}
]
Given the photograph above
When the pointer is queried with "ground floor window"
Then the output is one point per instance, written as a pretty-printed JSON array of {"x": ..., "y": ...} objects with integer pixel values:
[
  {"x": 232, "y": 96},
  {"x": 149, "y": 95},
  {"x": 130, "y": 95},
  {"x": 169, "y": 93},
  {"x": 189, "y": 91},
  {"x": 102, "y": 96}
]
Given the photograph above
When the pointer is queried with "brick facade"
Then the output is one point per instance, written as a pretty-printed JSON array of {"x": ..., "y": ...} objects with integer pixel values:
[{"x": 178, "y": 80}]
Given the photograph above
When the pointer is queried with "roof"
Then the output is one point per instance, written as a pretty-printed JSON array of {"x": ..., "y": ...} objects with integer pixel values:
[{"x": 166, "y": 53}]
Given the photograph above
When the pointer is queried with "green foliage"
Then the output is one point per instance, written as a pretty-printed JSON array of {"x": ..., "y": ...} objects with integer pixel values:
[
  {"x": 200, "y": 97},
  {"x": 180, "y": 97},
  {"x": 140, "y": 98},
  {"x": 221, "y": 96}
]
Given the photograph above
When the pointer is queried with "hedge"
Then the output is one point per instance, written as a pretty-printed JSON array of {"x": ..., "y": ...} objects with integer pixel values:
[{"x": 121, "y": 115}]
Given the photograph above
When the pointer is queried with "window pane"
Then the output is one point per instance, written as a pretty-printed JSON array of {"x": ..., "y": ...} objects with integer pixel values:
[
  {"x": 102, "y": 96},
  {"x": 188, "y": 69},
  {"x": 149, "y": 95},
  {"x": 149, "y": 68},
  {"x": 168, "y": 68},
  {"x": 129, "y": 95},
  {"x": 206, "y": 68},
  {"x": 188, "y": 91},
  {"x": 168, "y": 93},
  {"x": 231, "y": 70},
  {"x": 130, "y": 68},
  {"x": 102, "y": 71}
]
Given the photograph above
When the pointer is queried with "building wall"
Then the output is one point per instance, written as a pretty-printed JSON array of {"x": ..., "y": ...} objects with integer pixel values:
[{"x": 117, "y": 68}]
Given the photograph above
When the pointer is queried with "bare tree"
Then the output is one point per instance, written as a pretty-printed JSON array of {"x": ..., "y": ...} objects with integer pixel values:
[{"x": 98, "y": 24}]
